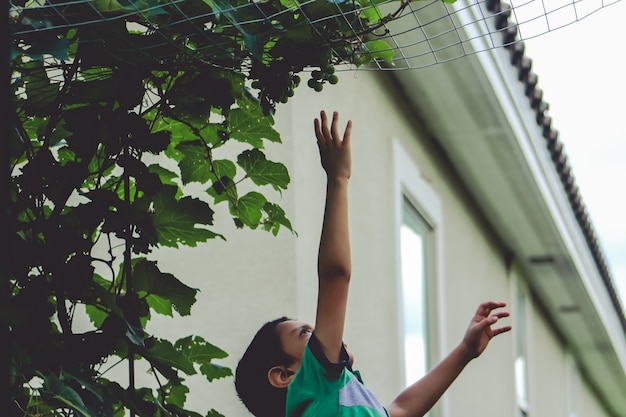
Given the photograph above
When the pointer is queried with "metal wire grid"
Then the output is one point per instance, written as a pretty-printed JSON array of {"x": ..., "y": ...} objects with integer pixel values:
[
  {"x": 433, "y": 32},
  {"x": 422, "y": 33}
]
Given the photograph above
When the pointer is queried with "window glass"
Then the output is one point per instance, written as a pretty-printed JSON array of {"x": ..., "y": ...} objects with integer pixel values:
[
  {"x": 413, "y": 245},
  {"x": 572, "y": 378},
  {"x": 521, "y": 362}
]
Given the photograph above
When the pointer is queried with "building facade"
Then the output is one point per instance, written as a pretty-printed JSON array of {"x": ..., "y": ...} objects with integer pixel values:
[{"x": 460, "y": 193}]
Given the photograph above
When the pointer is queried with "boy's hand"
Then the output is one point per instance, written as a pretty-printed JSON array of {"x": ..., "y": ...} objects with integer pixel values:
[
  {"x": 334, "y": 148},
  {"x": 420, "y": 397},
  {"x": 480, "y": 332}
]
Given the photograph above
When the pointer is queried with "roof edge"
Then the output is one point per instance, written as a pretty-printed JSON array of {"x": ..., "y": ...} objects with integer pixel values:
[{"x": 553, "y": 144}]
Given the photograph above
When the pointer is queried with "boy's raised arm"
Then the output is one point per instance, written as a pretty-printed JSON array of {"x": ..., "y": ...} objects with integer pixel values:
[
  {"x": 334, "y": 264},
  {"x": 417, "y": 399}
]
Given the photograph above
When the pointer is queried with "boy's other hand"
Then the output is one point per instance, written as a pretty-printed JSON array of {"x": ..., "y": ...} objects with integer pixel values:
[
  {"x": 480, "y": 330},
  {"x": 334, "y": 148}
]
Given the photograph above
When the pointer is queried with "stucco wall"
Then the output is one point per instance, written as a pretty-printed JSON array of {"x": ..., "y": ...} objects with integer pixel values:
[{"x": 547, "y": 369}]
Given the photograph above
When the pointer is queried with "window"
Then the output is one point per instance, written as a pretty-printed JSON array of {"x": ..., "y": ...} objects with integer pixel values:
[
  {"x": 521, "y": 352},
  {"x": 419, "y": 215},
  {"x": 413, "y": 253}
]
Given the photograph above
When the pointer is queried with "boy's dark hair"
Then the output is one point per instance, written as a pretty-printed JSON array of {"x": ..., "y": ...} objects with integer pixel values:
[{"x": 253, "y": 387}]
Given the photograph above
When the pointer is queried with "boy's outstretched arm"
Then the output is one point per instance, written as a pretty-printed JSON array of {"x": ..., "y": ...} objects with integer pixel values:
[
  {"x": 417, "y": 399},
  {"x": 334, "y": 264}
]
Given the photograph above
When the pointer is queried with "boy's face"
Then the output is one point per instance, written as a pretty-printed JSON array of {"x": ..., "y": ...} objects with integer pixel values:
[{"x": 294, "y": 335}]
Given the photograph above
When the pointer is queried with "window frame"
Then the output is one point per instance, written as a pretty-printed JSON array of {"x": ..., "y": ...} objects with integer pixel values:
[{"x": 412, "y": 186}]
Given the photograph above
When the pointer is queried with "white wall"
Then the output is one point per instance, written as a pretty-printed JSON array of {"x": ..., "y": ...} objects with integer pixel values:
[{"x": 547, "y": 370}]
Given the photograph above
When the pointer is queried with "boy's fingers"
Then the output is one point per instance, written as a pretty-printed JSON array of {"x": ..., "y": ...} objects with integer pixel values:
[
  {"x": 488, "y": 306},
  {"x": 334, "y": 127},
  {"x": 321, "y": 129},
  {"x": 492, "y": 304},
  {"x": 318, "y": 131},
  {"x": 346, "y": 134},
  {"x": 502, "y": 314},
  {"x": 325, "y": 129},
  {"x": 500, "y": 330},
  {"x": 491, "y": 320},
  {"x": 327, "y": 132},
  {"x": 486, "y": 322}
]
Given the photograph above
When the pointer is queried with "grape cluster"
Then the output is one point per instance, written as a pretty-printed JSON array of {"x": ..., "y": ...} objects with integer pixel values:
[
  {"x": 324, "y": 74},
  {"x": 277, "y": 81}
]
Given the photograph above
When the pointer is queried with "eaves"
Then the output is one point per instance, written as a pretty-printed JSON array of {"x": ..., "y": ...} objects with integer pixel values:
[{"x": 488, "y": 114}]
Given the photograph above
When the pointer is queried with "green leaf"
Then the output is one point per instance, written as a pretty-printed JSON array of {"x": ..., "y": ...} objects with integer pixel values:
[
  {"x": 134, "y": 309},
  {"x": 255, "y": 34},
  {"x": 298, "y": 30},
  {"x": 214, "y": 134},
  {"x": 96, "y": 315},
  {"x": 254, "y": 42},
  {"x": 41, "y": 93},
  {"x": 251, "y": 128},
  {"x": 224, "y": 187},
  {"x": 212, "y": 371},
  {"x": 275, "y": 218},
  {"x": 148, "y": 279},
  {"x": 319, "y": 11},
  {"x": 163, "y": 353},
  {"x": 167, "y": 176},
  {"x": 85, "y": 384},
  {"x": 378, "y": 50},
  {"x": 175, "y": 410},
  {"x": 178, "y": 131},
  {"x": 106, "y": 6},
  {"x": 202, "y": 352},
  {"x": 57, "y": 47},
  {"x": 248, "y": 209},
  {"x": 103, "y": 302},
  {"x": 66, "y": 155},
  {"x": 199, "y": 350},
  {"x": 373, "y": 2},
  {"x": 160, "y": 305},
  {"x": 224, "y": 168},
  {"x": 177, "y": 221},
  {"x": 178, "y": 395},
  {"x": 194, "y": 166},
  {"x": 372, "y": 14},
  {"x": 261, "y": 171},
  {"x": 55, "y": 387}
]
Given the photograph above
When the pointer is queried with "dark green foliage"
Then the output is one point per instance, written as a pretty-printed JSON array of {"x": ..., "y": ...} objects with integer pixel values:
[{"x": 101, "y": 112}]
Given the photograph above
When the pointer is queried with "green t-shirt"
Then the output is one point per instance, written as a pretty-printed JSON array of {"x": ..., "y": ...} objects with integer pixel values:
[{"x": 321, "y": 388}]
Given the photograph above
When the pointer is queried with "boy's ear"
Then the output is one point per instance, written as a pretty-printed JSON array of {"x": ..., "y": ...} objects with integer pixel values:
[{"x": 280, "y": 376}]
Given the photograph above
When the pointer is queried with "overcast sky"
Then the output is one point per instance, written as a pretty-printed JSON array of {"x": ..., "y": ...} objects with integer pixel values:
[{"x": 582, "y": 71}]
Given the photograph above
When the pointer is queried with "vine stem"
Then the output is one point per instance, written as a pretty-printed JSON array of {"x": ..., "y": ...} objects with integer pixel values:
[
  {"x": 128, "y": 281},
  {"x": 369, "y": 30}
]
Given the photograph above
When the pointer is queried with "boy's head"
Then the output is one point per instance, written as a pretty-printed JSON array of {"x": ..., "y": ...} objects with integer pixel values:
[{"x": 268, "y": 365}]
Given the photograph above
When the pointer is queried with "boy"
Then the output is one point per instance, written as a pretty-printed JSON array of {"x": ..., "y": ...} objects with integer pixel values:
[{"x": 293, "y": 369}]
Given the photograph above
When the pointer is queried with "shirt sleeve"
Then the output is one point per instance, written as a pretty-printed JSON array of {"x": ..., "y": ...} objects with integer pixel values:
[
  {"x": 317, "y": 377},
  {"x": 324, "y": 388},
  {"x": 333, "y": 369}
]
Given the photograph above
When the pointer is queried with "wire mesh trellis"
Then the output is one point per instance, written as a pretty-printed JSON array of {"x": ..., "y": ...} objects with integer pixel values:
[
  {"x": 434, "y": 32},
  {"x": 416, "y": 33}
]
